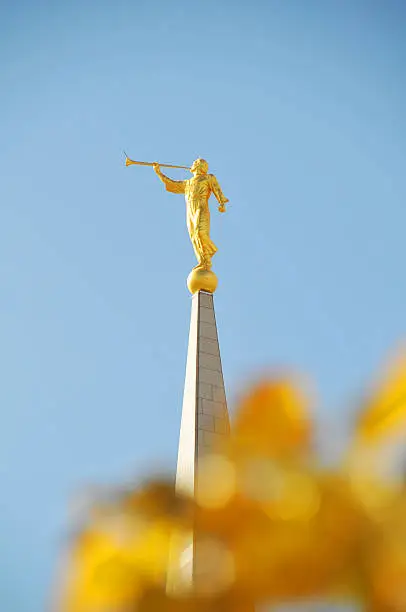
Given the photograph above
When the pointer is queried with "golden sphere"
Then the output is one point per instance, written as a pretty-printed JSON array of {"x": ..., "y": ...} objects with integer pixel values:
[{"x": 202, "y": 280}]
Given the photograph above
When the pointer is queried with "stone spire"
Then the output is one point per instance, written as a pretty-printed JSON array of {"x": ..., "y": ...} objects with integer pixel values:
[
  {"x": 205, "y": 418},
  {"x": 204, "y": 424}
]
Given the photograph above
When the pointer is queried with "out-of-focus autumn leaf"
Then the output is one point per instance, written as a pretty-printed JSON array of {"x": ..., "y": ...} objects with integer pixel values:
[
  {"x": 125, "y": 548},
  {"x": 385, "y": 559},
  {"x": 272, "y": 420},
  {"x": 385, "y": 410}
]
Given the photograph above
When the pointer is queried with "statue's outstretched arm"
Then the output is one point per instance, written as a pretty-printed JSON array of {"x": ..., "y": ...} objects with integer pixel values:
[{"x": 170, "y": 184}]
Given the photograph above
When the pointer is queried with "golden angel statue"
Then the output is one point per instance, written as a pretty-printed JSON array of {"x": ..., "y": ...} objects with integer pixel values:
[{"x": 198, "y": 190}]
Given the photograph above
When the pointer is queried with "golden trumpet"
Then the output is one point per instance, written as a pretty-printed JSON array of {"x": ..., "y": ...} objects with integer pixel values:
[{"x": 130, "y": 162}]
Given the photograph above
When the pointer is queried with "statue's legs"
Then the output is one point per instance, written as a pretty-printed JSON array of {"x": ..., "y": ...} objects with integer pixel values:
[
  {"x": 199, "y": 231},
  {"x": 191, "y": 230}
]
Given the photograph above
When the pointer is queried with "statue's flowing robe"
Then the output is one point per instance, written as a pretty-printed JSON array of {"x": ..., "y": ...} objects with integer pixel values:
[{"x": 197, "y": 192}]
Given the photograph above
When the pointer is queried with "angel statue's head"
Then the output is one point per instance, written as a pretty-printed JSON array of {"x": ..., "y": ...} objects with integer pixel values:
[{"x": 200, "y": 166}]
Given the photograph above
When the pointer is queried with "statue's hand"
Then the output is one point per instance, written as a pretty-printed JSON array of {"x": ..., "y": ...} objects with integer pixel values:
[
  {"x": 222, "y": 208},
  {"x": 156, "y": 167}
]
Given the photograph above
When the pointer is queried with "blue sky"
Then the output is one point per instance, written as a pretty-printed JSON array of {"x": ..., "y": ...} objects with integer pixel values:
[{"x": 299, "y": 109}]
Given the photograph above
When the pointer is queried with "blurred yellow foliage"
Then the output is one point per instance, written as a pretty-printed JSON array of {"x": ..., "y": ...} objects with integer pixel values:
[
  {"x": 270, "y": 523},
  {"x": 385, "y": 410},
  {"x": 272, "y": 421}
]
